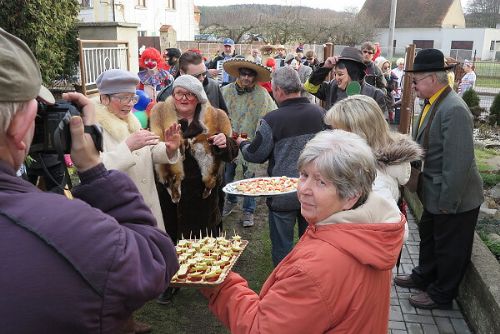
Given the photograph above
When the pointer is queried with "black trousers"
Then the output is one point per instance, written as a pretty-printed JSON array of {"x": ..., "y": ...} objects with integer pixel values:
[{"x": 445, "y": 250}]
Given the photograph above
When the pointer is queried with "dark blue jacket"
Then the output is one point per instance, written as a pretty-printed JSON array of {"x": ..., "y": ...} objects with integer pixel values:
[
  {"x": 78, "y": 266},
  {"x": 280, "y": 138}
]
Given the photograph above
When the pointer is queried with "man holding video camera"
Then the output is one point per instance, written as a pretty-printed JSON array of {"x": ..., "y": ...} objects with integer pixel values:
[{"x": 69, "y": 266}]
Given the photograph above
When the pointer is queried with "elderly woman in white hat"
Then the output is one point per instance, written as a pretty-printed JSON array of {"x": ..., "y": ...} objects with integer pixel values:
[
  {"x": 468, "y": 80},
  {"x": 207, "y": 141},
  {"x": 126, "y": 146}
]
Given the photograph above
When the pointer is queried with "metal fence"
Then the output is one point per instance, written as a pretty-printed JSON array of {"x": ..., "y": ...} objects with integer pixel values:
[
  {"x": 210, "y": 49},
  {"x": 97, "y": 56}
]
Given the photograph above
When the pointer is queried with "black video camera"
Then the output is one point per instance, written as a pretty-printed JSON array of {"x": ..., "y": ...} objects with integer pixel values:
[{"x": 52, "y": 134}]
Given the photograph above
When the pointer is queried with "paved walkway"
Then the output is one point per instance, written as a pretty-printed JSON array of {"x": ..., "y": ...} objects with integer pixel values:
[{"x": 404, "y": 318}]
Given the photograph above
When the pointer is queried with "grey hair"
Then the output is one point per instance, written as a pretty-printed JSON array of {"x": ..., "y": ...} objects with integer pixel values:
[
  {"x": 441, "y": 76},
  {"x": 400, "y": 61},
  {"x": 287, "y": 79},
  {"x": 343, "y": 158},
  {"x": 7, "y": 112}
]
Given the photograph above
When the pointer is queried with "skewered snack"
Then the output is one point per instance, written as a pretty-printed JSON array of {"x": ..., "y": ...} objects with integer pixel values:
[{"x": 206, "y": 261}]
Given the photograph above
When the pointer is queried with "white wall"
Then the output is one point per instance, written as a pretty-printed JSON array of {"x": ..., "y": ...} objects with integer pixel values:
[
  {"x": 443, "y": 37},
  {"x": 149, "y": 18}
]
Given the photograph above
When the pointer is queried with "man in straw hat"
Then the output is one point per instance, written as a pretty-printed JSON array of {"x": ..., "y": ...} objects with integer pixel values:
[
  {"x": 247, "y": 102},
  {"x": 451, "y": 189},
  {"x": 74, "y": 266},
  {"x": 280, "y": 55},
  {"x": 349, "y": 80}
]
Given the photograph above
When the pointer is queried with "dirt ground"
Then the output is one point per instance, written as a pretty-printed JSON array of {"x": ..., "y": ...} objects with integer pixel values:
[{"x": 189, "y": 311}]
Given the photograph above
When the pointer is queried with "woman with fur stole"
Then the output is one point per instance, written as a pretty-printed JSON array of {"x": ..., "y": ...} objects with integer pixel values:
[
  {"x": 191, "y": 205},
  {"x": 361, "y": 115},
  {"x": 127, "y": 147}
]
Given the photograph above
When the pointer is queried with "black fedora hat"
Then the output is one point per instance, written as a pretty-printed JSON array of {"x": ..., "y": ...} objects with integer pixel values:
[
  {"x": 429, "y": 60},
  {"x": 352, "y": 54}
]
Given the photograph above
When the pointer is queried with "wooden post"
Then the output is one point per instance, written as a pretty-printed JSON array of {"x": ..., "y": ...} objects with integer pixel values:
[
  {"x": 82, "y": 67},
  {"x": 406, "y": 99}
]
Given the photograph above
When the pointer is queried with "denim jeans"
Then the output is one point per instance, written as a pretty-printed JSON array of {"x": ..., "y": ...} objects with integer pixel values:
[
  {"x": 281, "y": 228},
  {"x": 229, "y": 173}
]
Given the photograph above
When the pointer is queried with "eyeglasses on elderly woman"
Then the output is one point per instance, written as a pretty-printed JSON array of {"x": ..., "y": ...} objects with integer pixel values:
[
  {"x": 180, "y": 95},
  {"x": 125, "y": 99}
]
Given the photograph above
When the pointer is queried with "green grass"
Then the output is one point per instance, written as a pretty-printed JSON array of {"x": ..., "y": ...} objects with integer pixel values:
[
  {"x": 488, "y": 82},
  {"x": 490, "y": 174},
  {"x": 189, "y": 311}
]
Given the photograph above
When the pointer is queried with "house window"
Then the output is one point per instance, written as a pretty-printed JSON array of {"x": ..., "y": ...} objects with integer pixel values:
[
  {"x": 141, "y": 3},
  {"x": 85, "y": 3},
  {"x": 170, "y": 4},
  {"x": 462, "y": 45},
  {"x": 141, "y": 33},
  {"x": 423, "y": 44}
]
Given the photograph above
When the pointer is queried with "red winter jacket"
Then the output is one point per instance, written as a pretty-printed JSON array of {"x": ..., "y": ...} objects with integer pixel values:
[{"x": 337, "y": 279}]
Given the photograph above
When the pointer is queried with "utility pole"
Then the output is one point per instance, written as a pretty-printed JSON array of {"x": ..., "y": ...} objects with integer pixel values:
[{"x": 392, "y": 26}]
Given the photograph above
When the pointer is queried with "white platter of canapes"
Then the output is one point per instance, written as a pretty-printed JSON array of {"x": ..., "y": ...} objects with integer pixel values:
[
  {"x": 262, "y": 186},
  {"x": 205, "y": 262}
]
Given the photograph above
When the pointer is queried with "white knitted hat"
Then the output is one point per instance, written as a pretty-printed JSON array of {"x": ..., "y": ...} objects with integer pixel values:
[{"x": 193, "y": 85}]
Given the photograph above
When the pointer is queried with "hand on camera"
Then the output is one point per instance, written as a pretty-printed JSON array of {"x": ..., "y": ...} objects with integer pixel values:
[
  {"x": 141, "y": 138},
  {"x": 83, "y": 151}
]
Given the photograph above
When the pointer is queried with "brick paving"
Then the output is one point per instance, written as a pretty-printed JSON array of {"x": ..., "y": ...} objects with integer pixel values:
[{"x": 404, "y": 318}]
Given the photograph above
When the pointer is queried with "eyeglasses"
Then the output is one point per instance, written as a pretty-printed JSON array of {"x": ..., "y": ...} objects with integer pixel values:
[
  {"x": 126, "y": 99},
  {"x": 370, "y": 52},
  {"x": 200, "y": 75},
  {"x": 189, "y": 96},
  {"x": 416, "y": 81}
]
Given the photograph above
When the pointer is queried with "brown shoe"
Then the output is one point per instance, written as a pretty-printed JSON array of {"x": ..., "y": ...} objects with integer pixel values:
[
  {"x": 405, "y": 281},
  {"x": 141, "y": 327},
  {"x": 424, "y": 301}
]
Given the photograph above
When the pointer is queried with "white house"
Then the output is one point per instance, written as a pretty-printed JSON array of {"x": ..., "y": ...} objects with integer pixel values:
[
  {"x": 150, "y": 15},
  {"x": 432, "y": 24}
]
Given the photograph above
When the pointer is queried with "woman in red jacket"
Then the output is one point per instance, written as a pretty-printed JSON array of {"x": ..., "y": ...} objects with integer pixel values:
[{"x": 337, "y": 278}]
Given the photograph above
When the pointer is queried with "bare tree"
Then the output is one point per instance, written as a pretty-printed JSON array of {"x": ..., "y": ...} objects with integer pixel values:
[{"x": 483, "y": 13}]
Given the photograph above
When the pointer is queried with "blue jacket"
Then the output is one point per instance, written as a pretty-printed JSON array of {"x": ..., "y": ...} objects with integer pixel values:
[{"x": 78, "y": 266}]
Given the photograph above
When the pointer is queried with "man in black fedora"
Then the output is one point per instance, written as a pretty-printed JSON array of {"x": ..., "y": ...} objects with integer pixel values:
[
  {"x": 450, "y": 187},
  {"x": 349, "y": 72}
]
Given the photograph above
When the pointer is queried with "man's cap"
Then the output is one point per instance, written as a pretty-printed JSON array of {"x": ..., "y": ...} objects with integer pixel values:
[
  {"x": 232, "y": 66},
  {"x": 279, "y": 47},
  {"x": 116, "y": 81},
  {"x": 20, "y": 77},
  {"x": 429, "y": 60},
  {"x": 193, "y": 85},
  {"x": 173, "y": 52},
  {"x": 467, "y": 63},
  {"x": 228, "y": 41}
]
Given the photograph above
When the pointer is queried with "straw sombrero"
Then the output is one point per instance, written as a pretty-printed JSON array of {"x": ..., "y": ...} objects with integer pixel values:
[
  {"x": 232, "y": 67},
  {"x": 267, "y": 49}
]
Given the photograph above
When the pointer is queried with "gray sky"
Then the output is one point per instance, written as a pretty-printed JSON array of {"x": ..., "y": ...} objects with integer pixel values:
[{"x": 338, "y": 5}]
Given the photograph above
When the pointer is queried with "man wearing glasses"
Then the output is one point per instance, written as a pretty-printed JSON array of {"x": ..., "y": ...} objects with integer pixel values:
[
  {"x": 451, "y": 188},
  {"x": 192, "y": 63},
  {"x": 373, "y": 75}
]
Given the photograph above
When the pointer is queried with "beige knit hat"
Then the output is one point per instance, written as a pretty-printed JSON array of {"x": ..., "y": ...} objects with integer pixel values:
[{"x": 20, "y": 77}]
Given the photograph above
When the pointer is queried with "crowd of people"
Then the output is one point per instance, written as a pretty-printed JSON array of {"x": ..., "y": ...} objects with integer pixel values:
[{"x": 93, "y": 260}]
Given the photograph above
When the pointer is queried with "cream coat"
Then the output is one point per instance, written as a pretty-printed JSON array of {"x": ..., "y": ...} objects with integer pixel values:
[{"x": 138, "y": 165}]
